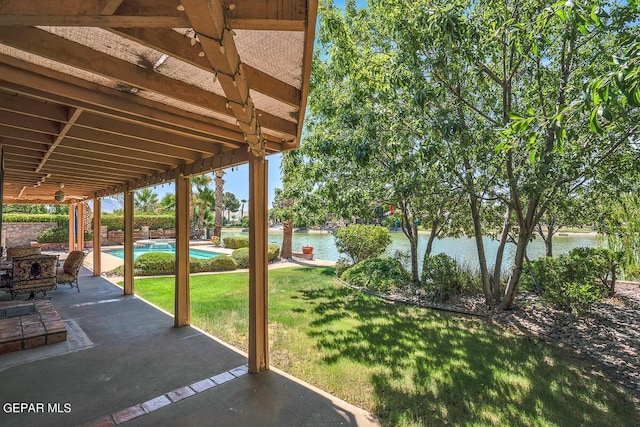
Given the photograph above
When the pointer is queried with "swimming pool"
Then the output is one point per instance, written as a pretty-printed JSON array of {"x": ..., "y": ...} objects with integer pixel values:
[{"x": 137, "y": 251}]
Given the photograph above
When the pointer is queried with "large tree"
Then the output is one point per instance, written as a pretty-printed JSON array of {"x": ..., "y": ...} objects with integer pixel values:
[{"x": 513, "y": 74}]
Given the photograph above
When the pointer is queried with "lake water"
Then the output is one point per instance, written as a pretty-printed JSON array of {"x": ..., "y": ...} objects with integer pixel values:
[{"x": 463, "y": 249}]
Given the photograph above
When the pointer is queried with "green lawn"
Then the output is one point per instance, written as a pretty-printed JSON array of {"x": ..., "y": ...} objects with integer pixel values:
[{"x": 407, "y": 365}]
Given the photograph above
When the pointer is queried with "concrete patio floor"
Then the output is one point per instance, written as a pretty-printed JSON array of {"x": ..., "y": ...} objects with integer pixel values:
[{"x": 125, "y": 362}]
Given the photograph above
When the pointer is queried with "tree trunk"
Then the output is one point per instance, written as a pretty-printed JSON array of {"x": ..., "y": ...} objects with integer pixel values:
[
  {"x": 482, "y": 258},
  {"x": 432, "y": 236},
  {"x": 516, "y": 271},
  {"x": 286, "y": 251},
  {"x": 217, "y": 229},
  {"x": 410, "y": 230},
  {"x": 497, "y": 268}
]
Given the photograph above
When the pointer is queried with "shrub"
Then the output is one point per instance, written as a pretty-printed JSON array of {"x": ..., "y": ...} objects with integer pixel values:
[
  {"x": 442, "y": 277},
  {"x": 273, "y": 252},
  {"x": 155, "y": 222},
  {"x": 223, "y": 263},
  {"x": 219, "y": 263},
  {"x": 54, "y": 235},
  {"x": 236, "y": 242},
  {"x": 378, "y": 274},
  {"x": 155, "y": 263},
  {"x": 361, "y": 242},
  {"x": 342, "y": 265},
  {"x": 241, "y": 256},
  {"x": 574, "y": 281}
]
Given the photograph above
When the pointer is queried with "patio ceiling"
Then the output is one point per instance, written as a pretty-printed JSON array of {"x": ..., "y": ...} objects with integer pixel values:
[{"x": 102, "y": 96}]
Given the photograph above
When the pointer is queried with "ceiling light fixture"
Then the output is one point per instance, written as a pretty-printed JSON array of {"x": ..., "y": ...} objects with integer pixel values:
[{"x": 59, "y": 195}]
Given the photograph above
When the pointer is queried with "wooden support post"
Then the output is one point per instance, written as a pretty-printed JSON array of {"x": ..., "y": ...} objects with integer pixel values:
[
  {"x": 80, "y": 226},
  {"x": 72, "y": 227},
  {"x": 258, "y": 276},
  {"x": 97, "y": 223},
  {"x": 182, "y": 307},
  {"x": 128, "y": 243}
]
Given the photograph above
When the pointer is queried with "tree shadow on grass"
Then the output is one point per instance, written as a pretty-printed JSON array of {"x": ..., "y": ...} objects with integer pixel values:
[{"x": 435, "y": 369}]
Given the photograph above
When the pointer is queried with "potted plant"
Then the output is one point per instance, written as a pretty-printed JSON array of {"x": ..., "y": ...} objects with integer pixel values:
[{"x": 307, "y": 250}]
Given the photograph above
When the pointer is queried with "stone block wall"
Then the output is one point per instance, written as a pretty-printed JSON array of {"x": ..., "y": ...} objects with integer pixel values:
[{"x": 23, "y": 233}]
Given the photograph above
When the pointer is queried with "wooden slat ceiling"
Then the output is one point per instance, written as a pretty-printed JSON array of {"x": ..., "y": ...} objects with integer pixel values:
[{"x": 104, "y": 96}]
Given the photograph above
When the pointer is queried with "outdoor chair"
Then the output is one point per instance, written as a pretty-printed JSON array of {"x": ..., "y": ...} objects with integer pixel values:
[
  {"x": 69, "y": 272},
  {"x": 22, "y": 251},
  {"x": 31, "y": 274}
]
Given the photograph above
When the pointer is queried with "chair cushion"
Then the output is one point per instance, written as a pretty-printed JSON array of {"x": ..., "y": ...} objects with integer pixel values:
[
  {"x": 63, "y": 277},
  {"x": 73, "y": 262}
]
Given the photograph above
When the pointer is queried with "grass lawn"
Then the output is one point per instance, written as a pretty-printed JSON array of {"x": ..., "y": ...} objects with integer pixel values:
[{"x": 409, "y": 366}]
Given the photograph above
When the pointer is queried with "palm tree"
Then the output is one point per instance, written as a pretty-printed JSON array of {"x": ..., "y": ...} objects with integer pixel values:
[
  {"x": 243, "y": 201},
  {"x": 217, "y": 229},
  {"x": 146, "y": 201},
  {"x": 203, "y": 197}
]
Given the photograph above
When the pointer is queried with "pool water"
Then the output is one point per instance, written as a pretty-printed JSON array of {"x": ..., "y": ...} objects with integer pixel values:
[{"x": 137, "y": 251}]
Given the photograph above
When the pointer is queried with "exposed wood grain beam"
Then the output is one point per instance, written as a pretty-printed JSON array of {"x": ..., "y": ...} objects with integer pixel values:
[
  {"x": 110, "y": 157},
  {"x": 56, "y": 48},
  {"x": 220, "y": 161},
  {"x": 281, "y": 15},
  {"x": 73, "y": 116},
  {"x": 175, "y": 45},
  {"x": 209, "y": 22},
  {"x": 88, "y": 144},
  {"x": 22, "y": 105},
  {"x": 25, "y": 135},
  {"x": 22, "y": 77},
  {"x": 158, "y": 136},
  {"x": 110, "y": 7},
  {"x": 93, "y": 21},
  {"x": 19, "y": 121},
  {"x": 23, "y": 146},
  {"x": 101, "y": 163},
  {"x": 135, "y": 146},
  {"x": 307, "y": 56}
]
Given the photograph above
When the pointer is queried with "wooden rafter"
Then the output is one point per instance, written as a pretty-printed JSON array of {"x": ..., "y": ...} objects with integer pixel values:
[
  {"x": 284, "y": 15},
  {"x": 209, "y": 22}
]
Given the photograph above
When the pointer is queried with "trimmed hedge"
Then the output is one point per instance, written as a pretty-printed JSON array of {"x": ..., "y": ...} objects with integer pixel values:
[
  {"x": 236, "y": 242},
  {"x": 241, "y": 255},
  {"x": 219, "y": 263},
  {"x": 155, "y": 222},
  {"x": 163, "y": 263},
  {"x": 22, "y": 217},
  {"x": 378, "y": 274}
]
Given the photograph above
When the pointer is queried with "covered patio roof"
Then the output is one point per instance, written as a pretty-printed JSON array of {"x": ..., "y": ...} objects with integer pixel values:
[{"x": 105, "y": 96}]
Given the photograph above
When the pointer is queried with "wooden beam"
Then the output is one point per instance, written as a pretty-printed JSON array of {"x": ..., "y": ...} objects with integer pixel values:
[
  {"x": 128, "y": 243},
  {"x": 94, "y": 21},
  {"x": 174, "y": 44},
  {"x": 258, "y": 270},
  {"x": 69, "y": 90},
  {"x": 56, "y": 48},
  {"x": 209, "y": 22},
  {"x": 80, "y": 226},
  {"x": 72, "y": 227},
  {"x": 182, "y": 313},
  {"x": 97, "y": 223},
  {"x": 283, "y": 15},
  {"x": 73, "y": 117},
  {"x": 307, "y": 56}
]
